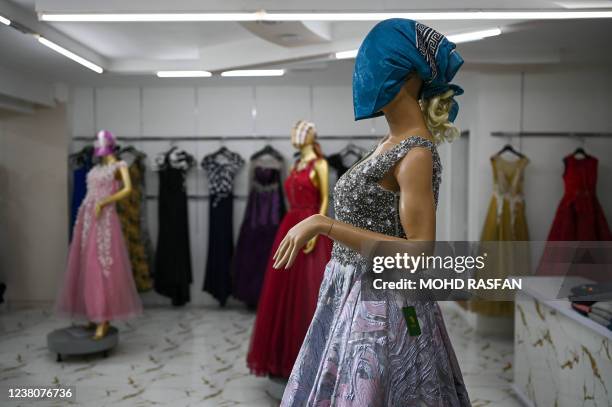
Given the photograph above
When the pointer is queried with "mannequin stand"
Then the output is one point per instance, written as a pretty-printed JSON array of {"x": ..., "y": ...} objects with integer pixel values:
[{"x": 77, "y": 340}]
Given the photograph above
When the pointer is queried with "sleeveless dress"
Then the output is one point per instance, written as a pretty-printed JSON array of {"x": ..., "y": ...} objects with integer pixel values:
[
  {"x": 263, "y": 214},
  {"x": 131, "y": 212},
  {"x": 289, "y": 297},
  {"x": 579, "y": 216},
  {"x": 98, "y": 285},
  {"x": 221, "y": 169},
  {"x": 359, "y": 353},
  {"x": 505, "y": 221}
]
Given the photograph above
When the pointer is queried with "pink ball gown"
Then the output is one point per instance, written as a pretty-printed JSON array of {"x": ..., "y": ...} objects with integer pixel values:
[{"x": 98, "y": 285}]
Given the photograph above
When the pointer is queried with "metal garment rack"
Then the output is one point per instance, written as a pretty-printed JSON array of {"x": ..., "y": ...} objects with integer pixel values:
[
  {"x": 229, "y": 138},
  {"x": 578, "y": 135},
  {"x": 203, "y": 197}
]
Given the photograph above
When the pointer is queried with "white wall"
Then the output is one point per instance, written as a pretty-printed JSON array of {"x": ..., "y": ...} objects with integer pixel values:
[
  {"x": 238, "y": 110},
  {"x": 551, "y": 101},
  {"x": 571, "y": 101},
  {"x": 33, "y": 203}
]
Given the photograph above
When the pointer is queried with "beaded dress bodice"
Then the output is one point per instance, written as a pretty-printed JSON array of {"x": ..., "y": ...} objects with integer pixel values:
[
  {"x": 101, "y": 183},
  {"x": 361, "y": 201}
]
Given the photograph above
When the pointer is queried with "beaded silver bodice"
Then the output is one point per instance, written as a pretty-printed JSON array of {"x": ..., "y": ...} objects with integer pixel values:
[{"x": 361, "y": 201}]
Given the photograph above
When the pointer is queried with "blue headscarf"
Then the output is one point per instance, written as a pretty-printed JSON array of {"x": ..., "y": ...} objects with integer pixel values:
[{"x": 393, "y": 49}]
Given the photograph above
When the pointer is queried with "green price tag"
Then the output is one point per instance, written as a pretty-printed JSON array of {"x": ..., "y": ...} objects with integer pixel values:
[{"x": 412, "y": 322}]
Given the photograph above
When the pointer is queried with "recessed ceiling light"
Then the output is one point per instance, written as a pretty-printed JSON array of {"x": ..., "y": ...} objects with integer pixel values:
[
  {"x": 363, "y": 16},
  {"x": 5, "y": 20},
  {"x": 474, "y": 35},
  {"x": 254, "y": 72},
  {"x": 70, "y": 54},
  {"x": 346, "y": 54},
  {"x": 184, "y": 74}
]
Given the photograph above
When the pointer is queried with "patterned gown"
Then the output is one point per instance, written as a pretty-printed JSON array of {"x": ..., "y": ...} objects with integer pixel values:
[
  {"x": 221, "y": 168},
  {"x": 359, "y": 353},
  {"x": 98, "y": 284},
  {"x": 131, "y": 214}
]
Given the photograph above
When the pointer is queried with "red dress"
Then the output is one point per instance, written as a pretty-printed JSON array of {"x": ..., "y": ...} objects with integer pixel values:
[
  {"x": 289, "y": 297},
  {"x": 579, "y": 216}
]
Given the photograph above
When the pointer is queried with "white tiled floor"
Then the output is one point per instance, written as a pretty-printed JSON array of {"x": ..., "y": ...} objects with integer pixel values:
[{"x": 196, "y": 357}]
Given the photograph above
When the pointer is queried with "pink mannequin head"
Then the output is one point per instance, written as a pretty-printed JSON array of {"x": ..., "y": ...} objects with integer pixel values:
[{"x": 105, "y": 143}]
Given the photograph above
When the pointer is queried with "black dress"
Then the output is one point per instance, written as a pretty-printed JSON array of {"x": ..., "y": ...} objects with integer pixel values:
[
  {"x": 173, "y": 275},
  {"x": 221, "y": 168}
]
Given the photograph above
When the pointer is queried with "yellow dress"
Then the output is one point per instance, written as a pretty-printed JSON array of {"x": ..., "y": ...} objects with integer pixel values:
[
  {"x": 505, "y": 221},
  {"x": 131, "y": 215}
]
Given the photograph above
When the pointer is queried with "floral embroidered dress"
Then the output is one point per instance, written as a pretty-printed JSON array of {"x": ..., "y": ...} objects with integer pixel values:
[
  {"x": 359, "y": 353},
  {"x": 98, "y": 284}
]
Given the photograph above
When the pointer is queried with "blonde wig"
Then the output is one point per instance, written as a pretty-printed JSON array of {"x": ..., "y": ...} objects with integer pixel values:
[{"x": 436, "y": 112}]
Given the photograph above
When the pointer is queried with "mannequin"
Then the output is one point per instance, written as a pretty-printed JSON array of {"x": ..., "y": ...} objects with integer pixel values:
[
  {"x": 99, "y": 285},
  {"x": 303, "y": 139},
  {"x": 363, "y": 350},
  {"x": 288, "y": 298},
  {"x": 104, "y": 150}
]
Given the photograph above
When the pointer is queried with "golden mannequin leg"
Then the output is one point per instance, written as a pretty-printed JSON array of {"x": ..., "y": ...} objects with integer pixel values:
[{"x": 101, "y": 330}]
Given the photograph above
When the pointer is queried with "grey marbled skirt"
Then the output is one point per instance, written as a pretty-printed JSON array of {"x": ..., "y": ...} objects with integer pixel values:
[{"x": 360, "y": 354}]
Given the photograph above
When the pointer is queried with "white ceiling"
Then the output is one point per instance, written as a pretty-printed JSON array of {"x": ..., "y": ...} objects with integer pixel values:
[{"x": 142, "y": 48}]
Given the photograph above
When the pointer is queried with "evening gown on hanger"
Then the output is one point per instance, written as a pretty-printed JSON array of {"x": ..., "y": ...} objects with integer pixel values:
[
  {"x": 98, "y": 285},
  {"x": 264, "y": 211},
  {"x": 221, "y": 168},
  {"x": 505, "y": 221},
  {"x": 79, "y": 188},
  {"x": 289, "y": 297},
  {"x": 130, "y": 212},
  {"x": 173, "y": 276},
  {"x": 579, "y": 216},
  {"x": 359, "y": 353}
]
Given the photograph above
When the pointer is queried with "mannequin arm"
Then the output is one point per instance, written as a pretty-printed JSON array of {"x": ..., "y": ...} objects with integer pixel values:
[
  {"x": 321, "y": 174},
  {"x": 413, "y": 175},
  {"x": 119, "y": 195}
]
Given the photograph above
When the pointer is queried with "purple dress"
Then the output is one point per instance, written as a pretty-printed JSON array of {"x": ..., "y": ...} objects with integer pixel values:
[{"x": 264, "y": 211}]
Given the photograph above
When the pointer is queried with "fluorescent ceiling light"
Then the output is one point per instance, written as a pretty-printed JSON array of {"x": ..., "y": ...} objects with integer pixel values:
[
  {"x": 5, "y": 20},
  {"x": 346, "y": 54},
  {"x": 184, "y": 74},
  {"x": 364, "y": 16},
  {"x": 474, "y": 35},
  {"x": 70, "y": 55},
  {"x": 584, "y": 4},
  {"x": 456, "y": 38},
  {"x": 255, "y": 72}
]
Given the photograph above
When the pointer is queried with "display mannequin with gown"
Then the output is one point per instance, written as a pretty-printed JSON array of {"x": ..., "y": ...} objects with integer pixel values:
[
  {"x": 361, "y": 352},
  {"x": 98, "y": 284},
  {"x": 289, "y": 297}
]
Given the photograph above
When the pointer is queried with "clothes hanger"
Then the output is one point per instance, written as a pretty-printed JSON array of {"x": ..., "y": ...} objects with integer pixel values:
[
  {"x": 510, "y": 149},
  {"x": 580, "y": 151},
  {"x": 268, "y": 150}
]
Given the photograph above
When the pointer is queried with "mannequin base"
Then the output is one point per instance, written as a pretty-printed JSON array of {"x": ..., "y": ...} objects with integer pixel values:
[{"x": 78, "y": 340}]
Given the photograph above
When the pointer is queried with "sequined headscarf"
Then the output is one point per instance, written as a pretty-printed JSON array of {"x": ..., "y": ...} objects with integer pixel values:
[
  {"x": 105, "y": 143},
  {"x": 393, "y": 49},
  {"x": 301, "y": 131}
]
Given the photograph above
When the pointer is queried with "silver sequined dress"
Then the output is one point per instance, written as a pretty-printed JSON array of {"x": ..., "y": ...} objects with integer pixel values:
[{"x": 359, "y": 353}]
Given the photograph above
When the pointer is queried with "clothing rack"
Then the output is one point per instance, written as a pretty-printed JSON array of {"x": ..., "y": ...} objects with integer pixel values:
[
  {"x": 230, "y": 138},
  {"x": 198, "y": 197},
  {"x": 550, "y": 134}
]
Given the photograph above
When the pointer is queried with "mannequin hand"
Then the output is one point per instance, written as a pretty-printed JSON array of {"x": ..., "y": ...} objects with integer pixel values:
[
  {"x": 310, "y": 245},
  {"x": 98, "y": 209},
  {"x": 295, "y": 239}
]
